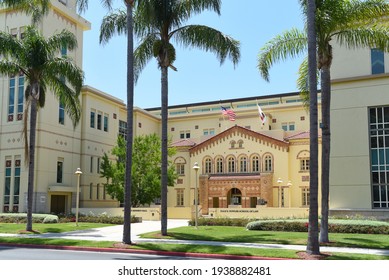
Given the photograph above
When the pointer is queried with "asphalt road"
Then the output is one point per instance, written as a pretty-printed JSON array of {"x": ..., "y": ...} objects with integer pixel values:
[{"x": 13, "y": 253}]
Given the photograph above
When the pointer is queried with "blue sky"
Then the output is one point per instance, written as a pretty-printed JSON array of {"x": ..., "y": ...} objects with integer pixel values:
[{"x": 200, "y": 77}]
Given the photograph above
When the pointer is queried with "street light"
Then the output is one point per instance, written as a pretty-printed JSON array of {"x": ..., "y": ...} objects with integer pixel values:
[
  {"x": 78, "y": 173},
  {"x": 196, "y": 169},
  {"x": 279, "y": 182}
]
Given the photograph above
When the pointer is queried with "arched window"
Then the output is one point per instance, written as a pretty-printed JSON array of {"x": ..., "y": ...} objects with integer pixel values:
[
  {"x": 255, "y": 164},
  {"x": 208, "y": 166},
  {"x": 232, "y": 143},
  {"x": 268, "y": 163},
  {"x": 240, "y": 143},
  {"x": 243, "y": 164},
  {"x": 219, "y": 165},
  {"x": 231, "y": 164}
]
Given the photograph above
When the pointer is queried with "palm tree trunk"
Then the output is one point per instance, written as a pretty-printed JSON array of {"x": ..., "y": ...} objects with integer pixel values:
[
  {"x": 164, "y": 142},
  {"x": 326, "y": 145},
  {"x": 130, "y": 109},
  {"x": 313, "y": 238},
  {"x": 31, "y": 163}
]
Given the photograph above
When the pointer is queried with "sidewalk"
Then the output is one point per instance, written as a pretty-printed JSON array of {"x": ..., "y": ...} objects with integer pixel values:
[{"x": 114, "y": 233}]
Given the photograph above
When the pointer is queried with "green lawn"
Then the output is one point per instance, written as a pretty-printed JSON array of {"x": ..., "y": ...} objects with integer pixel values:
[
  {"x": 44, "y": 228},
  {"x": 240, "y": 234},
  {"x": 212, "y": 233}
]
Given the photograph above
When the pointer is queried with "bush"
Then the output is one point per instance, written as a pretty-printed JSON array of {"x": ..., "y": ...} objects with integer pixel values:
[
  {"x": 22, "y": 217},
  {"x": 51, "y": 219},
  {"x": 278, "y": 226},
  {"x": 295, "y": 226},
  {"x": 241, "y": 222},
  {"x": 103, "y": 219}
]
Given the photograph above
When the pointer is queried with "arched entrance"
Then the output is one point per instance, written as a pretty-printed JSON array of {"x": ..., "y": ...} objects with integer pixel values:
[{"x": 234, "y": 197}]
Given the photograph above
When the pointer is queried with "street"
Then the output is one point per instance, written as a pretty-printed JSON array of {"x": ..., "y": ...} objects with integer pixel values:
[{"x": 14, "y": 253}]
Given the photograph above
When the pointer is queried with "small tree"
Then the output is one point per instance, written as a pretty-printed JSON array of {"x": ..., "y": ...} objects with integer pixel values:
[{"x": 146, "y": 170}]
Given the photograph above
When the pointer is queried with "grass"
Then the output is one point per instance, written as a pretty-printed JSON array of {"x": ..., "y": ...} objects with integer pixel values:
[
  {"x": 211, "y": 233},
  {"x": 45, "y": 228},
  {"x": 239, "y": 234}
]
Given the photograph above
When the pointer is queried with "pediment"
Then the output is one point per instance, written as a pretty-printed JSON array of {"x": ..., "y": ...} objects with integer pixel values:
[{"x": 243, "y": 133}]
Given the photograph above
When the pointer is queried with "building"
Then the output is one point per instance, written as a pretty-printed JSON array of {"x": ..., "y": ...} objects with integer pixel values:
[
  {"x": 360, "y": 137},
  {"x": 246, "y": 168}
]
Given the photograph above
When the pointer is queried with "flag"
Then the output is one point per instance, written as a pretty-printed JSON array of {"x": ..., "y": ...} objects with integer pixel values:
[
  {"x": 262, "y": 115},
  {"x": 230, "y": 113}
]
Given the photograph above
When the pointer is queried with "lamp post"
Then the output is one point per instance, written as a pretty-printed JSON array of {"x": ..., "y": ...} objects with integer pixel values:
[
  {"x": 196, "y": 169},
  {"x": 279, "y": 182},
  {"x": 78, "y": 173},
  {"x": 290, "y": 193}
]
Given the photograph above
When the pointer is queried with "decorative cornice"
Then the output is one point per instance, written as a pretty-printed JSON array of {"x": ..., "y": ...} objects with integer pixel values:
[{"x": 223, "y": 136}]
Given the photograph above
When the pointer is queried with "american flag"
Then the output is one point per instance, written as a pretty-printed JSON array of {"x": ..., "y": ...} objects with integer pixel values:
[{"x": 229, "y": 112}]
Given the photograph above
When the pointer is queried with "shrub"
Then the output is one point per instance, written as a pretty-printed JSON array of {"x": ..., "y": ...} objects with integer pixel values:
[
  {"x": 103, "y": 219},
  {"x": 22, "y": 217},
  {"x": 278, "y": 226},
  {"x": 51, "y": 219},
  {"x": 301, "y": 226},
  {"x": 241, "y": 222}
]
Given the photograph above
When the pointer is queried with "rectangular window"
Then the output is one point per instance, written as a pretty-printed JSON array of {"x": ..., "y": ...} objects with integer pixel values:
[
  {"x": 99, "y": 121},
  {"x": 64, "y": 51},
  {"x": 22, "y": 32},
  {"x": 180, "y": 197},
  {"x": 98, "y": 165},
  {"x": 292, "y": 126},
  {"x": 98, "y": 191},
  {"x": 61, "y": 114},
  {"x": 90, "y": 191},
  {"x": 60, "y": 171},
  {"x": 379, "y": 155},
  {"x": 210, "y": 131},
  {"x": 304, "y": 164},
  {"x": 180, "y": 169},
  {"x": 20, "y": 96},
  {"x": 305, "y": 196},
  {"x": 284, "y": 126},
  {"x": 11, "y": 98},
  {"x": 7, "y": 184},
  {"x": 92, "y": 119},
  {"x": 377, "y": 61},
  {"x": 16, "y": 183},
  {"x": 184, "y": 134},
  {"x": 91, "y": 165},
  {"x": 105, "y": 122},
  {"x": 123, "y": 129}
]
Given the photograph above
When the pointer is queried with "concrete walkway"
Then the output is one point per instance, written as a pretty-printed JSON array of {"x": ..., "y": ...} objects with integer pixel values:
[{"x": 114, "y": 233}]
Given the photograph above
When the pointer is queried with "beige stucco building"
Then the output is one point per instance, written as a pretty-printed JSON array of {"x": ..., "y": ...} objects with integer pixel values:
[{"x": 246, "y": 168}]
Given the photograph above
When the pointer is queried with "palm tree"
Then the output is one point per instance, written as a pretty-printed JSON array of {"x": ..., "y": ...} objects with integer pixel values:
[
  {"x": 83, "y": 5},
  {"x": 37, "y": 59},
  {"x": 313, "y": 238},
  {"x": 36, "y": 8},
  {"x": 157, "y": 23},
  {"x": 350, "y": 23}
]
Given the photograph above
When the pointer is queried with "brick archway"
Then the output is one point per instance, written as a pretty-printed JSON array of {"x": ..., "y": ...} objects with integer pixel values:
[{"x": 215, "y": 190}]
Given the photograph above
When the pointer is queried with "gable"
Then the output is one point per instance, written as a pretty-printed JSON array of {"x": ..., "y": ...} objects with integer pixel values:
[{"x": 236, "y": 134}]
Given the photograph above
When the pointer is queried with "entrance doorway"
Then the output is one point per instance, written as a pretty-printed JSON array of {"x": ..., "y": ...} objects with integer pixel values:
[
  {"x": 58, "y": 204},
  {"x": 234, "y": 197},
  {"x": 215, "y": 202}
]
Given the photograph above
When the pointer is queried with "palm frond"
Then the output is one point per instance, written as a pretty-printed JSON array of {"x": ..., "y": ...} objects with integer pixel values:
[
  {"x": 37, "y": 9},
  {"x": 289, "y": 44},
  {"x": 68, "y": 97},
  {"x": 208, "y": 39},
  {"x": 65, "y": 68},
  {"x": 377, "y": 37},
  {"x": 9, "y": 68},
  {"x": 64, "y": 38},
  {"x": 303, "y": 82},
  {"x": 113, "y": 23},
  {"x": 143, "y": 54},
  {"x": 9, "y": 45}
]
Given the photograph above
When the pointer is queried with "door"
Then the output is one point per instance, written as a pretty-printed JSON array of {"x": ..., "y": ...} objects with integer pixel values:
[{"x": 58, "y": 204}]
